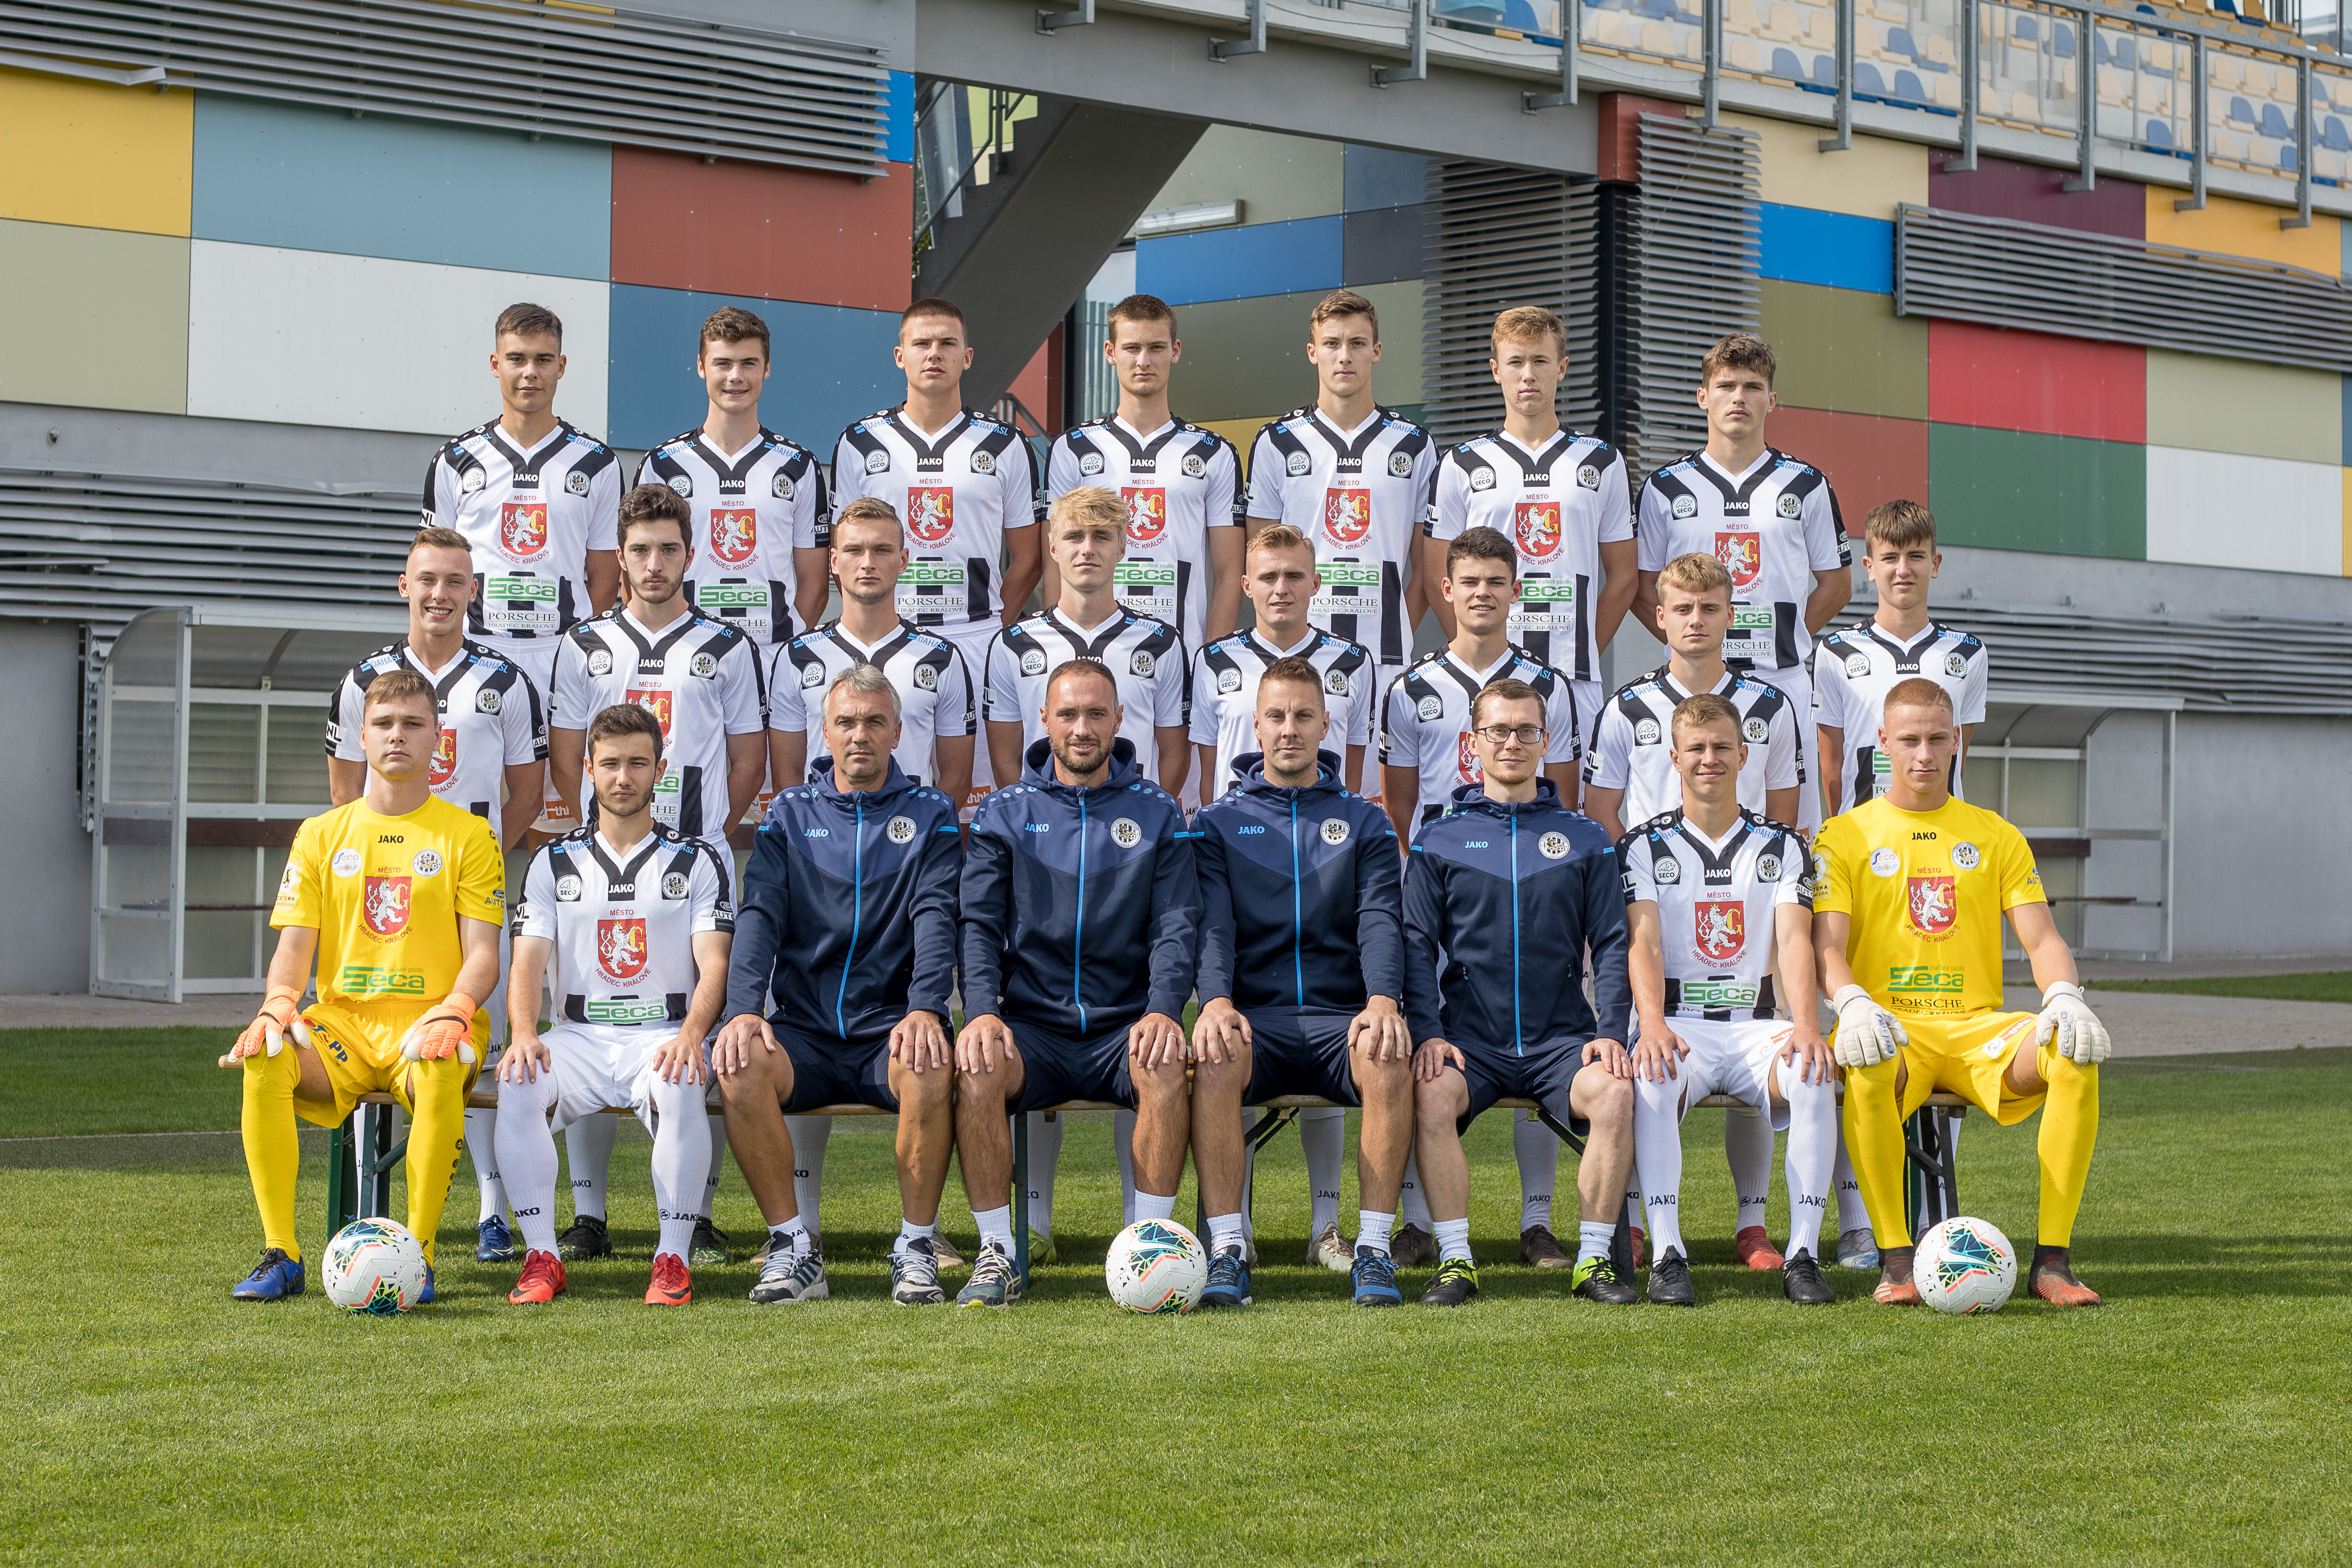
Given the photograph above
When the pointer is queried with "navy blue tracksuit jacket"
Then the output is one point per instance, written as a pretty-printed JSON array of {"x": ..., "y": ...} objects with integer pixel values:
[
  {"x": 1080, "y": 909},
  {"x": 1511, "y": 895},
  {"x": 849, "y": 908},
  {"x": 1299, "y": 901}
]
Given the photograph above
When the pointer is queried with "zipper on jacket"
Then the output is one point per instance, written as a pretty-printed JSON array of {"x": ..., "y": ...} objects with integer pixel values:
[
  {"x": 1518, "y": 1028},
  {"x": 856, "y": 922},
  {"x": 1078, "y": 933},
  {"x": 1298, "y": 965}
]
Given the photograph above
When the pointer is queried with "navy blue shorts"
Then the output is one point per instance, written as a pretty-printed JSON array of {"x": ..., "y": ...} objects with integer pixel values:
[
  {"x": 1299, "y": 1050},
  {"x": 1543, "y": 1075},
  {"x": 835, "y": 1071},
  {"x": 1060, "y": 1069}
]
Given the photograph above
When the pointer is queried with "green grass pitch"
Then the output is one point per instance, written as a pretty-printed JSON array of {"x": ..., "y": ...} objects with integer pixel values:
[
  {"x": 2197, "y": 1417},
  {"x": 2327, "y": 986}
]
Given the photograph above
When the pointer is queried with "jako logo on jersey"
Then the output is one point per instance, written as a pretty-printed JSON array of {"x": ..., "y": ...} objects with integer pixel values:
[
  {"x": 522, "y": 528},
  {"x": 1348, "y": 516},
  {"x": 734, "y": 534},
  {"x": 657, "y": 702},
  {"x": 385, "y": 901},
  {"x": 1146, "y": 513},
  {"x": 1740, "y": 556},
  {"x": 1466, "y": 759},
  {"x": 445, "y": 759},
  {"x": 930, "y": 513},
  {"x": 621, "y": 948},
  {"x": 1722, "y": 930},
  {"x": 1537, "y": 525},
  {"x": 1933, "y": 903}
]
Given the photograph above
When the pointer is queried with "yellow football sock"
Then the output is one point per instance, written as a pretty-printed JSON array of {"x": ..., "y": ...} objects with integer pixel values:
[
  {"x": 273, "y": 1152},
  {"x": 1874, "y": 1142},
  {"x": 2070, "y": 1126},
  {"x": 435, "y": 1137}
]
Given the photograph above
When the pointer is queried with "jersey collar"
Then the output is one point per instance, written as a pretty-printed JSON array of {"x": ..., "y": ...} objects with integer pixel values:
[
  {"x": 1737, "y": 486},
  {"x": 1531, "y": 461},
  {"x": 1314, "y": 635},
  {"x": 735, "y": 467},
  {"x": 522, "y": 462},
  {"x": 914, "y": 438}
]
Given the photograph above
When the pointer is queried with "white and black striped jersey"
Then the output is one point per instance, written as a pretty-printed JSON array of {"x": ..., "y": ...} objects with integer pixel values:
[
  {"x": 1633, "y": 746},
  {"x": 492, "y": 719},
  {"x": 1772, "y": 527},
  {"x": 933, "y": 683},
  {"x": 700, "y": 677},
  {"x": 1144, "y": 655},
  {"x": 623, "y": 926},
  {"x": 1360, "y": 496},
  {"x": 751, "y": 512},
  {"x": 1225, "y": 694},
  {"x": 955, "y": 496},
  {"x": 1559, "y": 505},
  {"x": 1853, "y": 669},
  {"x": 1178, "y": 482},
  {"x": 1425, "y": 720},
  {"x": 532, "y": 518},
  {"x": 1716, "y": 903}
]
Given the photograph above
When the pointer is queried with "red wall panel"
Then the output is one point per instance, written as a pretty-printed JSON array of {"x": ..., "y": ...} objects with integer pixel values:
[
  {"x": 1996, "y": 188},
  {"x": 772, "y": 233},
  {"x": 1869, "y": 459},
  {"x": 2005, "y": 379}
]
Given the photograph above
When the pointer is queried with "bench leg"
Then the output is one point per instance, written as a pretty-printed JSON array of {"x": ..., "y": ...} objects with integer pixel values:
[
  {"x": 1021, "y": 1200},
  {"x": 343, "y": 1177},
  {"x": 375, "y": 1152},
  {"x": 1931, "y": 1185}
]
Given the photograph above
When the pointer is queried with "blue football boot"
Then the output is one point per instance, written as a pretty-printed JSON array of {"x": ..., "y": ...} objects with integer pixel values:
[
  {"x": 1373, "y": 1279},
  {"x": 425, "y": 1296},
  {"x": 493, "y": 1243},
  {"x": 1229, "y": 1281},
  {"x": 274, "y": 1279}
]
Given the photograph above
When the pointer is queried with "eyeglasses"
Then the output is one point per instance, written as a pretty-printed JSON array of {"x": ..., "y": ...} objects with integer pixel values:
[{"x": 1498, "y": 735}]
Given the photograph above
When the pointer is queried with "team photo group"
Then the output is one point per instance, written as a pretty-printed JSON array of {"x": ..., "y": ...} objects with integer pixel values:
[{"x": 1141, "y": 849}]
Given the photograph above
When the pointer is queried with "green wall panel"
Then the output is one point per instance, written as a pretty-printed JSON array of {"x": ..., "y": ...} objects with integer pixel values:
[
  {"x": 93, "y": 318},
  {"x": 2006, "y": 489},
  {"x": 1247, "y": 358},
  {"x": 1845, "y": 351}
]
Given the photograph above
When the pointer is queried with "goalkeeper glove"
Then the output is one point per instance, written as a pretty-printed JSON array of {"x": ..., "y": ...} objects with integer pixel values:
[
  {"x": 1867, "y": 1034},
  {"x": 2066, "y": 1016},
  {"x": 269, "y": 1028},
  {"x": 443, "y": 1032}
]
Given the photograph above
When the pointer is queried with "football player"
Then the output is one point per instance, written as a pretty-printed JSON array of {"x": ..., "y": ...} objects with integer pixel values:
[
  {"x": 636, "y": 917},
  {"x": 396, "y": 899},
  {"x": 849, "y": 924},
  {"x": 1718, "y": 908},
  {"x": 1910, "y": 888},
  {"x": 1503, "y": 895},
  {"x": 1080, "y": 920}
]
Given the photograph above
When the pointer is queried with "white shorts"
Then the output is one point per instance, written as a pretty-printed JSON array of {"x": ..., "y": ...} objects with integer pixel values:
[
  {"x": 1734, "y": 1057},
  {"x": 599, "y": 1065},
  {"x": 972, "y": 640},
  {"x": 1798, "y": 682}
]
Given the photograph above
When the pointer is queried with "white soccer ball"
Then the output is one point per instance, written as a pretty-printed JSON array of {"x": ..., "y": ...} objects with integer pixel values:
[
  {"x": 1965, "y": 1265},
  {"x": 1156, "y": 1266},
  {"x": 373, "y": 1266}
]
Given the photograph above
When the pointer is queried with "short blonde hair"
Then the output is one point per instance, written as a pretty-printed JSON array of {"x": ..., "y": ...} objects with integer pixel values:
[
  {"x": 1090, "y": 504},
  {"x": 1525, "y": 323},
  {"x": 1282, "y": 536},
  {"x": 1696, "y": 573}
]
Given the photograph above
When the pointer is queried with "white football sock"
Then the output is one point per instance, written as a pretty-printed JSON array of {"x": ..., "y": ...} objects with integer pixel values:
[
  {"x": 1123, "y": 1141},
  {"x": 1045, "y": 1156},
  {"x": 1225, "y": 1230},
  {"x": 1747, "y": 1147},
  {"x": 1373, "y": 1231},
  {"x": 590, "y": 1142},
  {"x": 1852, "y": 1214},
  {"x": 996, "y": 1225},
  {"x": 529, "y": 1158},
  {"x": 1536, "y": 1147},
  {"x": 1658, "y": 1161},
  {"x": 1323, "y": 1133},
  {"x": 1453, "y": 1239},
  {"x": 716, "y": 1121},
  {"x": 482, "y": 1145},
  {"x": 810, "y": 1135},
  {"x": 1412, "y": 1207},
  {"x": 1593, "y": 1238},
  {"x": 909, "y": 1232},
  {"x": 1151, "y": 1205},
  {"x": 681, "y": 1153},
  {"x": 792, "y": 1235},
  {"x": 1812, "y": 1136}
]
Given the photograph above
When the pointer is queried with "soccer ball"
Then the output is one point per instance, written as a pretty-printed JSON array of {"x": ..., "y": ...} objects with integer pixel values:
[
  {"x": 1965, "y": 1266},
  {"x": 375, "y": 1267},
  {"x": 1156, "y": 1266}
]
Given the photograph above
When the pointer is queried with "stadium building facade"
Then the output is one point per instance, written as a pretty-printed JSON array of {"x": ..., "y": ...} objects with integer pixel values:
[{"x": 2093, "y": 312}]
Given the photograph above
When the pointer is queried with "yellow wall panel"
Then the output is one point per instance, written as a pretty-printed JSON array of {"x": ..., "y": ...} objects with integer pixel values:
[
  {"x": 1867, "y": 180},
  {"x": 95, "y": 155},
  {"x": 2212, "y": 404},
  {"x": 2245, "y": 228},
  {"x": 93, "y": 318}
]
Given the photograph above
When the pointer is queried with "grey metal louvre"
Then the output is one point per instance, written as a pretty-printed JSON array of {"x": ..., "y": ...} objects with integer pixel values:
[
  {"x": 2000, "y": 273},
  {"x": 1700, "y": 248},
  {"x": 101, "y": 548},
  {"x": 639, "y": 78},
  {"x": 2214, "y": 663},
  {"x": 1496, "y": 238}
]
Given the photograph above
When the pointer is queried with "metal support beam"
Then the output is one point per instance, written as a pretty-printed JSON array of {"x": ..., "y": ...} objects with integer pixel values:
[
  {"x": 1417, "y": 39},
  {"x": 1084, "y": 16},
  {"x": 1571, "y": 32},
  {"x": 1972, "y": 81},
  {"x": 2302, "y": 219},
  {"x": 2086, "y": 98},
  {"x": 2200, "y": 103},
  {"x": 1221, "y": 50},
  {"x": 1843, "y": 141},
  {"x": 1710, "y": 27}
]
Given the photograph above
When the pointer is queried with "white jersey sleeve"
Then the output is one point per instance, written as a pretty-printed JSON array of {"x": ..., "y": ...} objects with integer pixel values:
[
  {"x": 1616, "y": 506},
  {"x": 787, "y": 709},
  {"x": 1653, "y": 522},
  {"x": 535, "y": 915},
  {"x": 1266, "y": 478},
  {"x": 1353, "y": 722},
  {"x": 605, "y": 509},
  {"x": 1449, "y": 503},
  {"x": 1831, "y": 693},
  {"x": 742, "y": 689},
  {"x": 1796, "y": 883},
  {"x": 1171, "y": 682},
  {"x": 1633, "y": 858},
  {"x": 1826, "y": 547},
  {"x": 1225, "y": 505},
  {"x": 1783, "y": 759},
  {"x": 345, "y": 719},
  {"x": 1563, "y": 737},
  {"x": 1971, "y": 704},
  {"x": 1025, "y": 490},
  {"x": 1204, "y": 714},
  {"x": 1001, "y": 702},
  {"x": 524, "y": 723},
  {"x": 1609, "y": 765},
  {"x": 1061, "y": 470},
  {"x": 707, "y": 887},
  {"x": 568, "y": 700},
  {"x": 1400, "y": 728},
  {"x": 955, "y": 714}
]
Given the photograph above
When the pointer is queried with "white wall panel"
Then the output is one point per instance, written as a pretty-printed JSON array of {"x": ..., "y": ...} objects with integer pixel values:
[
  {"x": 309, "y": 338},
  {"x": 2221, "y": 508}
]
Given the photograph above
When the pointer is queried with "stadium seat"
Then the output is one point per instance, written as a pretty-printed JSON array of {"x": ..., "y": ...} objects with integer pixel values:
[
  {"x": 1940, "y": 53},
  {"x": 1479, "y": 11},
  {"x": 2333, "y": 137},
  {"x": 2159, "y": 136},
  {"x": 2024, "y": 29},
  {"x": 1742, "y": 55},
  {"x": 1520, "y": 14},
  {"x": 2026, "y": 107},
  {"x": 2274, "y": 123},
  {"x": 1781, "y": 23},
  {"x": 1611, "y": 27},
  {"x": 1740, "y": 20},
  {"x": 1785, "y": 65},
  {"x": 2286, "y": 159},
  {"x": 1825, "y": 73},
  {"x": 1867, "y": 83},
  {"x": 2061, "y": 41},
  {"x": 2242, "y": 112},
  {"x": 1907, "y": 87}
]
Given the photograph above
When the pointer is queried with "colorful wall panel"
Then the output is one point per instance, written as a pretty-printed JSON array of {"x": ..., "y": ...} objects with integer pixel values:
[
  {"x": 2219, "y": 508},
  {"x": 761, "y": 232},
  {"x": 2004, "y": 490},
  {"x": 2236, "y": 405},
  {"x": 94, "y": 155},
  {"x": 1246, "y": 359},
  {"x": 1276, "y": 178},
  {"x": 1868, "y": 460},
  {"x": 414, "y": 339},
  {"x": 1256, "y": 259},
  {"x": 1844, "y": 349},
  {"x": 1869, "y": 179},
  {"x": 2037, "y": 193},
  {"x": 94, "y": 318},
  {"x": 2033, "y": 380},
  {"x": 833, "y": 365},
  {"x": 2246, "y": 228},
  {"x": 1836, "y": 250}
]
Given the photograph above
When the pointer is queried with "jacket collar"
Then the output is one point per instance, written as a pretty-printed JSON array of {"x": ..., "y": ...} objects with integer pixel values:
[
  {"x": 894, "y": 784},
  {"x": 1249, "y": 776},
  {"x": 1038, "y": 770},
  {"x": 1473, "y": 798}
]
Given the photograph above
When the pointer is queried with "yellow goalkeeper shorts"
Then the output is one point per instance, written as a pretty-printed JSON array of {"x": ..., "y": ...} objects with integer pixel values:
[
  {"x": 1968, "y": 1057},
  {"x": 359, "y": 1060}
]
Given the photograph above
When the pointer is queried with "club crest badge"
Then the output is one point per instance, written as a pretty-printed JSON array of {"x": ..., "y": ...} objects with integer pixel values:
[
  {"x": 927, "y": 676},
  {"x": 930, "y": 513},
  {"x": 1588, "y": 477},
  {"x": 1966, "y": 856},
  {"x": 982, "y": 463},
  {"x": 1933, "y": 903},
  {"x": 522, "y": 528},
  {"x": 425, "y": 863},
  {"x": 1954, "y": 664},
  {"x": 621, "y": 948},
  {"x": 1535, "y": 526},
  {"x": 1768, "y": 868},
  {"x": 1336, "y": 683},
  {"x": 1722, "y": 929},
  {"x": 486, "y": 701},
  {"x": 1141, "y": 664},
  {"x": 1125, "y": 833},
  {"x": 654, "y": 702},
  {"x": 734, "y": 534},
  {"x": 705, "y": 665},
  {"x": 784, "y": 487},
  {"x": 1348, "y": 516},
  {"x": 576, "y": 483},
  {"x": 1790, "y": 507},
  {"x": 1146, "y": 513},
  {"x": 1742, "y": 556},
  {"x": 1756, "y": 730},
  {"x": 1335, "y": 831},
  {"x": 1400, "y": 464},
  {"x": 1196, "y": 465},
  {"x": 384, "y": 901},
  {"x": 1553, "y": 846},
  {"x": 674, "y": 885},
  {"x": 901, "y": 831}
]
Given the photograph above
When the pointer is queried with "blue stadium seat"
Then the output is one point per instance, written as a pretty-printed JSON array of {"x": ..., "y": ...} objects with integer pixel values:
[
  {"x": 2061, "y": 41},
  {"x": 2334, "y": 138},
  {"x": 2024, "y": 30},
  {"x": 1520, "y": 14},
  {"x": 1867, "y": 83},
  {"x": 1784, "y": 64},
  {"x": 2160, "y": 135},
  {"x": 1898, "y": 42},
  {"x": 2227, "y": 7},
  {"x": 1825, "y": 73},
  {"x": 2242, "y": 112},
  {"x": 1906, "y": 87},
  {"x": 2274, "y": 123},
  {"x": 2286, "y": 159},
  {"x": 1479, "y": 11}
]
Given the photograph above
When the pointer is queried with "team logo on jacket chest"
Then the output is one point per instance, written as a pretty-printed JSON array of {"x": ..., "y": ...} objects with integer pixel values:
[
  {"x": 444, "y": 760},
  {"x": 384, "y": 901},
  {"x": 1722, "y": 929},
  {"x": 1932, "y": 902},
  {"x": 1553, "y": 846},
  {"x": 1348, "y": 516},
  {"x": 1334, "y": 829},
  {"x": 734, "y": 534},
  {"x": 1742, "y": 556},
  {"x": 522, "y": 528},
  {"x": 1535, "y": 524},
  {"x": 1146, "y": 513},
  {"x": 930, "y": 512},
  {"x": 621, "y": 948},
  {"x": 901, "y": 830},
  {"x": 1125, "y": 833}
]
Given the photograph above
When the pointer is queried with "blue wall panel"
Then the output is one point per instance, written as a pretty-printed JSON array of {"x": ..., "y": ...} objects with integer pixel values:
[
  {"x": 308, "y": 178},
  {"x": 899, "y": 123},
  {"x": 832, "y": 366},
  {"x": 1805, "y": 244},
  {"x": 1242, "y": 263}
]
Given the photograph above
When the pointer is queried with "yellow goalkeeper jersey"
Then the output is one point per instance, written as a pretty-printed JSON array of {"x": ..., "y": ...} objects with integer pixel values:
[
  {"x": 1927, "y": 891},
  {"x": 384, "y": 895}
]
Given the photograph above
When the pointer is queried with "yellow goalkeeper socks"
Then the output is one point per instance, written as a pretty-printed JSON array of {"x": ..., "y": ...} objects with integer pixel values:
[
  {"x": 1874, "y": 1142},
  {"x": 273, "y": 1152},
  {"x": 435, "y": 1136},
  {"x": 2070, "y": 1126}
]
